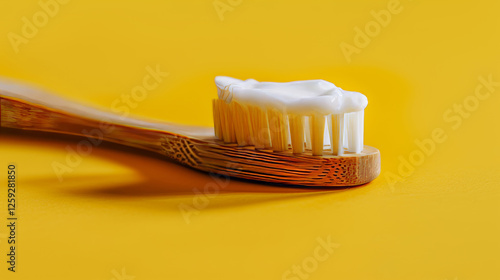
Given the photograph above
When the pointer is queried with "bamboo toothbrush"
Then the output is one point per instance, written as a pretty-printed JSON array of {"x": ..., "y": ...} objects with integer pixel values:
[{"x": 251, "y": 141}]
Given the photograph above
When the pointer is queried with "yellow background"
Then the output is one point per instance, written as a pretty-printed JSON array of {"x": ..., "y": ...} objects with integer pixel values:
[{"x": 119, "y": 208}]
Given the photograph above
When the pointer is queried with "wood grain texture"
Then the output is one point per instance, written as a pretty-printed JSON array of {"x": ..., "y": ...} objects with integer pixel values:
[{"x": 195, "y": 147}]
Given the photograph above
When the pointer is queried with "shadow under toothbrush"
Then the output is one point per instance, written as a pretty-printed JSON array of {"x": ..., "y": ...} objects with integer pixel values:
[{"x": 159, "y": 175}]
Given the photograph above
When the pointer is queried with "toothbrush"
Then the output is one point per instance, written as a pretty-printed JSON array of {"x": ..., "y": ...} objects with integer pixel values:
[{"x": 289, "y": 148}]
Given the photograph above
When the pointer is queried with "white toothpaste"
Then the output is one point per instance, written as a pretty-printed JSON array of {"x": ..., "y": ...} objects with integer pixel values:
[
  {"x": 300, "y": 97},
  {"x": 310, "y": 98}
]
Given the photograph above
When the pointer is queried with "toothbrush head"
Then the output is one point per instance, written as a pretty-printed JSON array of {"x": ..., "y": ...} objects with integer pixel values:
[{"x": 308, "y": 132}]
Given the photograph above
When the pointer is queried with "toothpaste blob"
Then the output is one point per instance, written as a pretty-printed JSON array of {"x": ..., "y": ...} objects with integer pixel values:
[
  {"x": 308, "y": 115},
  {"x": 299, "y": 97}
]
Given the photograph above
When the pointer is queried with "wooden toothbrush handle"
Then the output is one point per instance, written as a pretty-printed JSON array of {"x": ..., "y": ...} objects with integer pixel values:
[
  {"x": 28, "y": 108},
  {"x": 20, "y": 114}
]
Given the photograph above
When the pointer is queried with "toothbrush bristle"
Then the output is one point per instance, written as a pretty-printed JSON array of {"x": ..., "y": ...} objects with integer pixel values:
[{"x": 270, "y": 128}]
